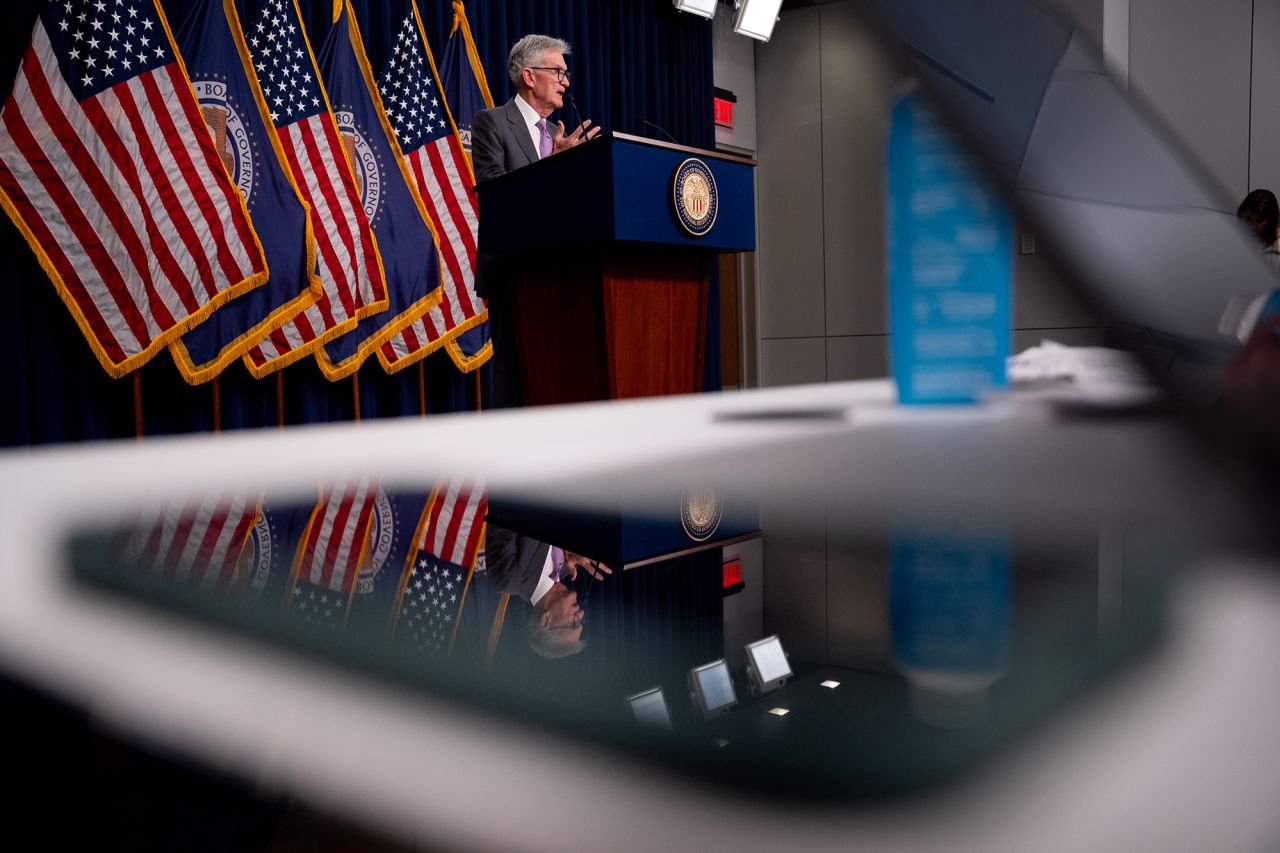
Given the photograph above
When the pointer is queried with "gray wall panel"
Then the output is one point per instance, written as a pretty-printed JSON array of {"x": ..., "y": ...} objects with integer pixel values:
[
  {"x": 1041, "y": 295},
  {"x": 1264, "y": 132},
  {"x": 795, "y": 566},
  {"x": 789, "y": 136},
  {"x": 858, "y": 85},
  {"x": 733, "y": 58},
  {"x": 857, "y": 601},
  {"x": 792, "y": 361},
  {"x": 863, "y": 357},
  {"x": 1190, "y": 59}
]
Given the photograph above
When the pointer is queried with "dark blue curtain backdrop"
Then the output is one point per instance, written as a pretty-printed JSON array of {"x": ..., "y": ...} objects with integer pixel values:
[{"x": 631, "y": 60}]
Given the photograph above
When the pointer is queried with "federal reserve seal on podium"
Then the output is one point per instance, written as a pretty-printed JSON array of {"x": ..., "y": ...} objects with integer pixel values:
[
  {"x": 696, "y": 199},
  {"x": 700, "y": 512}
]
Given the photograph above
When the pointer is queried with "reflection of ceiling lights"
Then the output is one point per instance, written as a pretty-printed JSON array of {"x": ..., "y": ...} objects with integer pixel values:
[
  {"x": 767, "y": 665},
  {"x": 711, "y": 688},
  {"x": 705, "y": 8},
  {"x": 756, "y": 18},
  {"x": 650, "y": 708}
]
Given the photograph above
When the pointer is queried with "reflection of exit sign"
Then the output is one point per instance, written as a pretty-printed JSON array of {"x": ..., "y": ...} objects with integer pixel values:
[{"x": 724, "y": 112}]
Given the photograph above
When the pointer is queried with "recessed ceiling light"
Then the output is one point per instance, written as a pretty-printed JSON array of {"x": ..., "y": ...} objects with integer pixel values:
[
  {"x": 779, "y": 712},
  {"x": 830, "y": 685}
]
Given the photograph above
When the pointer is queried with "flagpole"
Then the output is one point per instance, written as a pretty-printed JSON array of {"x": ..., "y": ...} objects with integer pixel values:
[
  {"x": 217, "y": 404},
  {"x": 280, "y": 399},
  {"x": 479, "y": 403},
  {"x": 137, "y": 404},
  {"x": 495, "y": 632},
  {"x": 422, "y": 389},
  {"x": 355, "y": 394}
]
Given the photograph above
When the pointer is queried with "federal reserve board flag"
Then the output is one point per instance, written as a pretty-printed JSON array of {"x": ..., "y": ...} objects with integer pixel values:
[
  {"x": 462, "y": 75},
  {"x": 433, "y": 586},
  {"x": 107, "y": 170},
  {"x": 416, "y": 105},
  {"x": 270, "y": 551},
  {"x": 387, "y": 194},
  {"x": 349, "y": 266},
  {"x": 391, "y": 538},
  {"x": 236, "y": 114}
]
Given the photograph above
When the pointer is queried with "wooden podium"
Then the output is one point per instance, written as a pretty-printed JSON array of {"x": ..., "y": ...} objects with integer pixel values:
[{"x": 608, "y": 291}]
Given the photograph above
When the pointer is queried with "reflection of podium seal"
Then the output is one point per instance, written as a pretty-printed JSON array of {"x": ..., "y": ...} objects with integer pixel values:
[
  {"x": 700, "y": 512},
  {"x": 696, "y": 199}
]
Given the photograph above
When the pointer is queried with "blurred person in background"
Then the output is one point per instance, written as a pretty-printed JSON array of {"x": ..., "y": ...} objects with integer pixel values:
[{"x": 1261, "y": 215}]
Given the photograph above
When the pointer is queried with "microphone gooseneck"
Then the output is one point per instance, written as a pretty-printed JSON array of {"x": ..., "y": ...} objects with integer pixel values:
[
  {"x": 658, "y": 128},
  {"x": 576, "y": 115}
]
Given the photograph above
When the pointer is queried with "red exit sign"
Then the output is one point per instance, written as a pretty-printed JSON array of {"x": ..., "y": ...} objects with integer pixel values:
[{"x": 724, "y": 112}]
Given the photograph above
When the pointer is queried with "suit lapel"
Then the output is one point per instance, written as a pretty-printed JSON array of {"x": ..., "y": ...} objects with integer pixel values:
[{"x": 518, "y": 129}]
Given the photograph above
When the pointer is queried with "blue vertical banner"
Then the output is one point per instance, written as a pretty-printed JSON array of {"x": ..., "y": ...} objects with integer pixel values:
[
  {"x": 462, "y": 78},
  {"x": 950, "y": 264},
  {"x": 239, "y": 121}
]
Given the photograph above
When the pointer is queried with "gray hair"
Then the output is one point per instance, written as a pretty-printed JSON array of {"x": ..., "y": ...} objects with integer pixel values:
[
  {"x": 528, "y": 52},
  {"x": 549, "y": 644}
]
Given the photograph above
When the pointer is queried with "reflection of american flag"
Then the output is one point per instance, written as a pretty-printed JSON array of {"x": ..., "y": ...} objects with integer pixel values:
[
  {"x": 347, "y": 260},
  {"x": 329, "y": 555},
  {"x": 436, "y": 576},
  {"x": 108, "y": 171},
  {"x": 196, "y": 543},
  {"x": 440, "y": 168}
]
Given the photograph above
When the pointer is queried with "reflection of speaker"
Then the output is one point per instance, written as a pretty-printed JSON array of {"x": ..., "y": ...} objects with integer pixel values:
[
  {"x": 216, "y": 119},
  {"x": 349, "y": 145}
]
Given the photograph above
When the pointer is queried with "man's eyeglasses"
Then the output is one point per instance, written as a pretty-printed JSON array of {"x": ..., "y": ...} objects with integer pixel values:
[{"x": 562, "y": 74}]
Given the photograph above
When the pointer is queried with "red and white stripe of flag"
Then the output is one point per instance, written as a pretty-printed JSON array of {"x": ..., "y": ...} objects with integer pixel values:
[
  {"x": 125, "y": 200},
  {"x": 444, "y": 181},
  {"x": 347, "y": 258},
  {"x": 455, "y": 521},
  {"x": 197, "y": 543},
  {"x": 330, "y": 553}
]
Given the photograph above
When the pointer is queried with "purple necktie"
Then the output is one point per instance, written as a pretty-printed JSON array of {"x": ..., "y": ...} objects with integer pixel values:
[
  {"x": 544, "y": 144},
  {"x": 557, "y": 563}
]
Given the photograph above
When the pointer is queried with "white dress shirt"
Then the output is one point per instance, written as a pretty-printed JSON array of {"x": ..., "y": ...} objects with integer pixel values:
[{"x": 531, "y": 118}]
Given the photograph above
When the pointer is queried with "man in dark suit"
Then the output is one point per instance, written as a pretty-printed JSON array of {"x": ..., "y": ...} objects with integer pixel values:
[
  {"x": 517, "y": 133},
  {"x": 506, "y": 138},
  {"x": 534, "y": 570}
]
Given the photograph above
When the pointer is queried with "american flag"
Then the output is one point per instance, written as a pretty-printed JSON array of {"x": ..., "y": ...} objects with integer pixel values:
[
  {"x": 329, "y": 555},
  {"x": 425, "y": 130},
  {"x": 433, "y": 586},
  {"x": 348, "y": 261},
  {"x": 411, "y": 264},
  {"x": 194, "y": 543},
  {"x": 107, "y": 170}
]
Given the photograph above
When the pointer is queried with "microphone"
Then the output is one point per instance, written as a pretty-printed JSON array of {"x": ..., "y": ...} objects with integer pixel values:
[
  {"x": 657, "y": 128},
  {"x": 577, "y": 115}
]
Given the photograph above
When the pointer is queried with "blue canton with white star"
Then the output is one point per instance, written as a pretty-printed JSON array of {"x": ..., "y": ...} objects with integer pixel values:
[
  {"x": 283, "y": 64},
  {"x": 100, "y": 43},
  {"x": 409, "y": 95},
  {"x": 430, "y": 603},
  {"x": 318, "y": 606}
]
